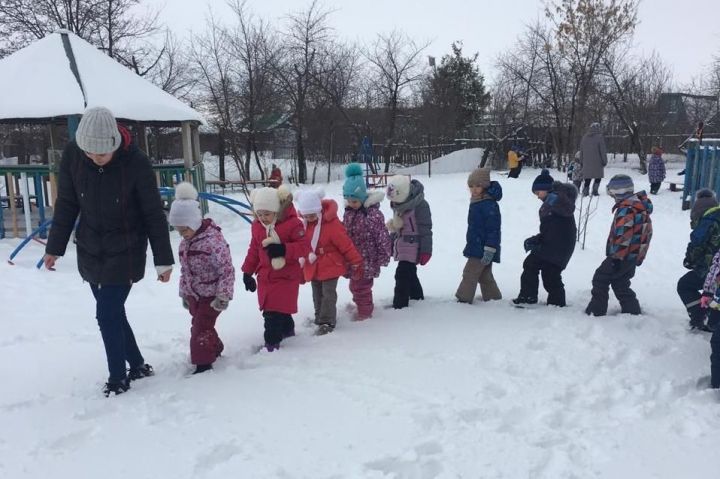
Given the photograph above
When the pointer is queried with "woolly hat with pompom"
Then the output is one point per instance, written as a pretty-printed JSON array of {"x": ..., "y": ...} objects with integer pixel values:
[
  {"x": 354, "y": 187},
  {"x": 543, "y": 182},
  {"x": 185, "y": 210},
  {"x": 309, "y": 201}
]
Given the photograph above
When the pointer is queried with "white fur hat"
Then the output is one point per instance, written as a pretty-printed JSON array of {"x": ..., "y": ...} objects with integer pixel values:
[
  {"x": 185, "y": 210},
  {"x": 265, "y": 199},
  {"x": 398, "y": 188},
  {"x": 309, "y": 201}
]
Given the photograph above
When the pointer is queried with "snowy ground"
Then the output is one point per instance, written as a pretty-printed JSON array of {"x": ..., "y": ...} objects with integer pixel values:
[{"x": 439, "y": 390}]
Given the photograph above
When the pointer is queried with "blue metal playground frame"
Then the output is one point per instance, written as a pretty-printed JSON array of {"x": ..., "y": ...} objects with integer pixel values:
[{"x": 238, "y": 207}]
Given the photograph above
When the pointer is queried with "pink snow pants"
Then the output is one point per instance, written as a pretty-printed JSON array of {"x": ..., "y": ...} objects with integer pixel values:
[
  {"x": 205, "y": 344},
  {"x": 362, "y": 296}
]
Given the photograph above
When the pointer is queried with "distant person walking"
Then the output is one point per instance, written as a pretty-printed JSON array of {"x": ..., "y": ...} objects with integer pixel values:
[
  {"x": 108, "y": 181},
  {"x": 276, "y": 177},
  {"x": 593, "y": 157}
]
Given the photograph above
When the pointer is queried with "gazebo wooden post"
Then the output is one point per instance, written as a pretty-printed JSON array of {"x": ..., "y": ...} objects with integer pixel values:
[
  {"x": 199, "y": 167},
  {"x": 187, "y": 149}
]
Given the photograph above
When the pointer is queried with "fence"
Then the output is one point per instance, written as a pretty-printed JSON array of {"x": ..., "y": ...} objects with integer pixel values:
[{"x": 702, "y": 169}]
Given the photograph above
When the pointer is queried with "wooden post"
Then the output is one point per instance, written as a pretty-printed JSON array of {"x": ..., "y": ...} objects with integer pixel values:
[
  {"x": 187, "y": 148},
  {"x": 24, "y": 191},
  {"x": 11, "y": 200}
]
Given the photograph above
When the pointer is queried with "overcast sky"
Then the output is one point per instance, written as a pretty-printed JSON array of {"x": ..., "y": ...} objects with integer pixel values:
[{"x": 686, "y": 33}]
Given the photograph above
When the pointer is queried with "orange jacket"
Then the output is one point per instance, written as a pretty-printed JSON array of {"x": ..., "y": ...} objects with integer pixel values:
[
  {"x": 513, "y": 159},
  {"x": 335, "y": 250}
]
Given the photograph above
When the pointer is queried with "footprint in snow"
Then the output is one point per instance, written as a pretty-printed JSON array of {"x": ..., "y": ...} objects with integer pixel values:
[{"x": 218, "y": 454}]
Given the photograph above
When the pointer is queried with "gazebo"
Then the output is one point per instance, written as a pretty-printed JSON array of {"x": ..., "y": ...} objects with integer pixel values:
[{"x": 54, "y": 80}]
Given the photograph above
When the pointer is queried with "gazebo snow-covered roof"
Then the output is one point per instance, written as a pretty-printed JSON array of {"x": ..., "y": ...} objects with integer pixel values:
[{"x": 61, "y": 75}]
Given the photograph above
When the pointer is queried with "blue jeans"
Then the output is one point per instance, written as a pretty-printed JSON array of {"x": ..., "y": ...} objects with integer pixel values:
[{"x": 117, "y": 335}]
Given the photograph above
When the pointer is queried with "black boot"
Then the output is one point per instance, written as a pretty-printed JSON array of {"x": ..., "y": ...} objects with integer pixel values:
[
  {"x": 118, "y": 387},
  {"x": 698, "y": 322},
  {"x": 201, "y": 368},
  {"x": 525, "y": 300},
  {"x": 143, "y": 371}
]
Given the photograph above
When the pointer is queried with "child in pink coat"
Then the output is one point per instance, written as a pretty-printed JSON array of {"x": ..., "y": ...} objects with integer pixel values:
[{"x": 207, "y": 275}]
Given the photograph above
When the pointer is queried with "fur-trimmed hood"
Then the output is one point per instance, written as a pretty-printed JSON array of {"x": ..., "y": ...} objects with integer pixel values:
[
  {"x": 329, "y": 210},
  {"x": 375, "y": 197},
  {"x": 560, "y": 201}
]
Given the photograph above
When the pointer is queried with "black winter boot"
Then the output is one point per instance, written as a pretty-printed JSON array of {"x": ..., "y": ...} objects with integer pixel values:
[
  {"x": 116, "y": 387},
  {"x": 143, "y": 371},
  {"x": 698, "y": 322},
  {"x": 525, "y": 300}
]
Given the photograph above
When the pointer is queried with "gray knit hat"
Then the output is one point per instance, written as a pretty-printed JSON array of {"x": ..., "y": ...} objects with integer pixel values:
[
  {"x": 98, "y": 131},
  {"x": 479, "y": 177},
  {"x": 620, "y": 186}
]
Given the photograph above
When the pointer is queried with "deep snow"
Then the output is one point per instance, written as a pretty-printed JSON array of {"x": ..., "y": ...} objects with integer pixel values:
[{"x": 439, "y": 390}]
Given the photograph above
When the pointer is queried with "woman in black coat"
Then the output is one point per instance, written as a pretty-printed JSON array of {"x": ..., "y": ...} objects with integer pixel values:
[
  {"x": 551, "y": 250},
  {"x": 106, "y": 180}
]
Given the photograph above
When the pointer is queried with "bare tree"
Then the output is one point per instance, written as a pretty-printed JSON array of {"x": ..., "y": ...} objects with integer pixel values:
[
  {"x": 254, "y": 50},
  {"x": 546, "y": 90},
  {"x": 586, "y": 30},
  {"x": 396, "y": 63},
  {"x": 219, "y": 94},
  {"x": 173, "y": 72},
  {"x": 633, "y": 89},
  {"x": 115, "y": 26},
  {"x": 305, "y": 36}
]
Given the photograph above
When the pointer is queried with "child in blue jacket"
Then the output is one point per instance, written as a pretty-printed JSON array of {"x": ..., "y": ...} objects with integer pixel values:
[{"x": 483, "y": 238}]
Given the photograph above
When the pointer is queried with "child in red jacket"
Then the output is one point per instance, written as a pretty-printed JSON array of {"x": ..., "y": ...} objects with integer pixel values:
[
  {"x": 332, "y": 252},
  {"x": 278, "y": 242}
]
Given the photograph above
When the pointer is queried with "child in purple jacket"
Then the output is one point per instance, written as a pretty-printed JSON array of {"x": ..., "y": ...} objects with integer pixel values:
[
  {"x": 207, "y": 275},
  {"x": 411, "y": 234},
  {"x": 656, "y": 170},
  {"x": 365, "y": 225}
]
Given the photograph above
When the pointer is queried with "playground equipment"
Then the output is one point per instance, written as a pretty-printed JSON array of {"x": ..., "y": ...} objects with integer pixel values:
[
  {"x": 702, "y": 169},
  {"x": 238, "y": 207},
  {"x": 31, "y": 192},
  {"x": 20, "y": 186}
]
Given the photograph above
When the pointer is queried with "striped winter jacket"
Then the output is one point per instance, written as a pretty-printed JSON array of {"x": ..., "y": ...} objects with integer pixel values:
[{"x": 631, "y": 230}]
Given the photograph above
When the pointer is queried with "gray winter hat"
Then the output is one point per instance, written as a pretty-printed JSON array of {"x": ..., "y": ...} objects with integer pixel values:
[{"x": 98, "y": 132}]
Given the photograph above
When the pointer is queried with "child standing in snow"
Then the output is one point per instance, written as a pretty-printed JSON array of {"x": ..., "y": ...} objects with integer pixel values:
[
  {"x": 331, "y": 251},
  {"x": 656, "y": 170},
  {"x": 207, "y": 275},
  {"x": 626, "y": 249},
  {"x": 575, "y": 171},
  {"x": 277, "y": 244},
  {"x": 710, "y": 299},
  {"x": 704, "y": 243},
  {"x": 365, "y": 225},
  {"x": 483, "y": 238},
  {"x": 551, "y": 249},
  {"x": 411, "y": 234}
]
